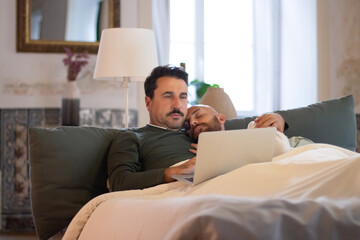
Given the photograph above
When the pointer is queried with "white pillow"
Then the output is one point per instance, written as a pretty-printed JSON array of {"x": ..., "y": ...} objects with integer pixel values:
[{"x": 282, "y": 144}]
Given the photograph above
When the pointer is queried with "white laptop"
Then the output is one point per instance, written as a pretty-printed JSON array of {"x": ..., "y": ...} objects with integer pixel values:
[{"x": 220, "y": 152}]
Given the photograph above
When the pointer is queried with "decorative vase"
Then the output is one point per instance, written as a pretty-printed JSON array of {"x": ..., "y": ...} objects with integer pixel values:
[
  {"x": 218, "y": 99},
  {"x": 70, "y": 106}
]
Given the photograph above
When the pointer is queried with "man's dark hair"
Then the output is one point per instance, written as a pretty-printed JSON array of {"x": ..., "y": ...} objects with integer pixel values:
[{"x": 163, "y": 71}]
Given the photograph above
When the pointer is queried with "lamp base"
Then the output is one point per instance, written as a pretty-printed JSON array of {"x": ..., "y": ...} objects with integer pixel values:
[{"x": 126, "y": 86}]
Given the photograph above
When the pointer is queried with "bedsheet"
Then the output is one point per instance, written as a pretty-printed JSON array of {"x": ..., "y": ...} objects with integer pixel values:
[{"x": 311, "y": 192}]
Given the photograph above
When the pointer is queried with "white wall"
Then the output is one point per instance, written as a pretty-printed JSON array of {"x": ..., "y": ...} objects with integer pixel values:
[
  {"x": 339, "y": 49},
  {"x": 344, "y": 48}
]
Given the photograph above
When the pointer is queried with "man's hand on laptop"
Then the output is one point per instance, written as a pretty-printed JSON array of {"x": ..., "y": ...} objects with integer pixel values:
[
  {"x": 270, "y": 120},
  {"x": 185, "y": 168},
  {"x": 194, "y": 149}
]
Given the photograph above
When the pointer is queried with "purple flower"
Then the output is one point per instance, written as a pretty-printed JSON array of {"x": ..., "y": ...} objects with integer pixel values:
[{"x": 74, "y": 61}]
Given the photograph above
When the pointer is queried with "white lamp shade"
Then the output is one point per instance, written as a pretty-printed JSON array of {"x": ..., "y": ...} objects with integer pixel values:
[{"x": 125, "y": 52}]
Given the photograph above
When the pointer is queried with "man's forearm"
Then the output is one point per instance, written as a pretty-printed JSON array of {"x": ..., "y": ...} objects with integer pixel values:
[{"x": 138, "y": 180}]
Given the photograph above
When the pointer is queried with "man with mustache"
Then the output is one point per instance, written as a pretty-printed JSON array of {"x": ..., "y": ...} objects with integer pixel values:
[{"x": 142, "y": 157}]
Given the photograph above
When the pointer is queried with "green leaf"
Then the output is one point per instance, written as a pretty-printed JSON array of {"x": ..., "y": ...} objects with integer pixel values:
[{"x": 200, "y": 89}]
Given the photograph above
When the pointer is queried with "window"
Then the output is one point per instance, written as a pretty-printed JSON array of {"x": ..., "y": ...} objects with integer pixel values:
[{"x": 215, "y": 40}]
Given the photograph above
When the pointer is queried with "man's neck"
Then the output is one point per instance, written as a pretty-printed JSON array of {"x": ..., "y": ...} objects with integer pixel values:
[
  {"x": 157, "y": 126},
  {"x": 153, "y": 125}
]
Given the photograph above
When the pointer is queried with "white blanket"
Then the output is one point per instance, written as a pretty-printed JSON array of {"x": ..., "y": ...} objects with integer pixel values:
[{"x": 302, "y": 186}]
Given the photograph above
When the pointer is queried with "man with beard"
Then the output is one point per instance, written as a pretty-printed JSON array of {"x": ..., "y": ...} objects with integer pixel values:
[
  {"x": 144, "y": 157},
  {"x": 203, "y": 118}
]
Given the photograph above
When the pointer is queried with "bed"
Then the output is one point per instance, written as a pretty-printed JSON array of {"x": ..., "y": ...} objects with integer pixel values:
[{"x": 311, "y": 192}]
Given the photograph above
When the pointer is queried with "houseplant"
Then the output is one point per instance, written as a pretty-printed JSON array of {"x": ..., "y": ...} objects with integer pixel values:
[{"x": 200, "y": 89}]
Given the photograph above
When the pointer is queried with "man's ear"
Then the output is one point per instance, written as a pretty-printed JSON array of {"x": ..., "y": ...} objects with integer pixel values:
[
  {"x": 221, "y": 118},
  {"x": 147, "y": 102}
]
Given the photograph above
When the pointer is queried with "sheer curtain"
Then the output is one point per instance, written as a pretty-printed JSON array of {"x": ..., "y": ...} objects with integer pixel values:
[
  {"x": 161, "y": 28},
  {"x": 277, "y": 52},
  {"x": 286, "y": 54},
  {"x": 267, "y": 55}
]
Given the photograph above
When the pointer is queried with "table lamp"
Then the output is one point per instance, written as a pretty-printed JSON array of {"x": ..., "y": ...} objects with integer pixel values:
[{"x": 125, "y": 54}]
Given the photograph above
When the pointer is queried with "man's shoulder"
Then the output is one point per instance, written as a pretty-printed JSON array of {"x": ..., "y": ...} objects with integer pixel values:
[
  {"x": 133, "y": 129},
  {"x": 149, "y": 131},
  {"x": 143, "y": 129},
  {"x": 139, "y": 132}
]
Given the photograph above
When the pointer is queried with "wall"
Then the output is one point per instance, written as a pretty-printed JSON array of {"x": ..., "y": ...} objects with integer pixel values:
[
  {"x": 344, "y": 45},
  {"x": 339, "y": 49},
  {"x": 34, "y": 80}
]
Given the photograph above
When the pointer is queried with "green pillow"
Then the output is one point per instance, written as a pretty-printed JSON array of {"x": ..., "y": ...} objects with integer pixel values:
[
  {"x": 238, "y": 123},
  {"x": 332, "y": 121},
  {"x": 68, "y": 168}
]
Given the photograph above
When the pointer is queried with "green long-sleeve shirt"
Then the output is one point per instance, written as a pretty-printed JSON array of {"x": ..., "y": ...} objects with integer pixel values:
[{"x": 138, "y": 157}]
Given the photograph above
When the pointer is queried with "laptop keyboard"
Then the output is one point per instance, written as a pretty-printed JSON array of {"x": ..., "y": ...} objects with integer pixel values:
[{"x": 190, "y": 179}]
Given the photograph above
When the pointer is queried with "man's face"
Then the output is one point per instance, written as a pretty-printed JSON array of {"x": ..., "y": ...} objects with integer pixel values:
[
  {"x": 201, "y": 119},
  {"x": 169, "y": 104}
]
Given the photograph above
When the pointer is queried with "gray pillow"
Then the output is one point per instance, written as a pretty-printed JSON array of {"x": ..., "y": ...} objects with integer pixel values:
[
  {"x": 68, "y": 168},
  {"x": 332, "y": 121},
  {"x": 238, "y": 123}
]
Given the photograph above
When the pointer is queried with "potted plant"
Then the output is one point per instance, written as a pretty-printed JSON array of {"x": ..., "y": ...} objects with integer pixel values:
[{"x": 200, "y": 89}]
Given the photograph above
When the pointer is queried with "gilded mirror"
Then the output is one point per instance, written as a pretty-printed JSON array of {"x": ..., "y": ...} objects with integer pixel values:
[{"x": 51, "y": 25}]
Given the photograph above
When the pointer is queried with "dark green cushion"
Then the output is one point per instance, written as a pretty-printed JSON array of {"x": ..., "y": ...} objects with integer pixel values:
[
  {"x": 238, "y": 123},
  {"x": 68, "y": 168},
  {"x": 332, "y": 121}
]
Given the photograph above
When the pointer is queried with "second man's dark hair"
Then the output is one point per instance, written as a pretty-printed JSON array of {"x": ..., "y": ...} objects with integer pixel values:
[{"x": 163, "y": 71}]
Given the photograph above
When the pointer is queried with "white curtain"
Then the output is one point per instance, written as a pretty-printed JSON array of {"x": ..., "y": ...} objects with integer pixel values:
[
  {"x": 285, "y": 54},
  {"x": 267, "y": 55},
  {"x": 161, "y": 27},
  {"x": 282, "y": 72}
]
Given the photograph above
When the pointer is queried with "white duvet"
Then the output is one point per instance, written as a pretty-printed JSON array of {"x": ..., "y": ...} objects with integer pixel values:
[{"x": 311, "y": 192}]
